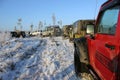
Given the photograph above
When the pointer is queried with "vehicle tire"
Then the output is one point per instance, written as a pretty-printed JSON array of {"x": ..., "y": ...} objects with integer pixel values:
[
  {"x": 70, "y": 40},
  {"x": 76, "y": 62},
  {"x": 81, "y": 69},
  {"x": 22, "y": 35}
]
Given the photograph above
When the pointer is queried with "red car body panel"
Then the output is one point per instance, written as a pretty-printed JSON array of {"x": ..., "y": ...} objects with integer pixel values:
[{"x": 105, "y": 59}]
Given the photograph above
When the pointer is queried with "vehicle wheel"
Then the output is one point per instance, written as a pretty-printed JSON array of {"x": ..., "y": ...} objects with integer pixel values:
[
  {"x": 70, "y": 40},
  {"x": 23, "y": 36},
  {"x": 81, "y": 69},
  {"x": 76, "y": 62}
]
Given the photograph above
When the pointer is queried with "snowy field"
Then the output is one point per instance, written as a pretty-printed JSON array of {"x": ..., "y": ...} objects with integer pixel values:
[{"x": 36, "y": 59}]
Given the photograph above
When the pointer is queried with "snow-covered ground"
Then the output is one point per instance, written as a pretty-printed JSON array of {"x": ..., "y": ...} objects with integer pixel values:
[{"x": 36, "y": 59}]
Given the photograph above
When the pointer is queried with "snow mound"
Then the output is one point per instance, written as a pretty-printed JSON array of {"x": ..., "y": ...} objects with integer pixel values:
[{"x": 37, "y": 59}]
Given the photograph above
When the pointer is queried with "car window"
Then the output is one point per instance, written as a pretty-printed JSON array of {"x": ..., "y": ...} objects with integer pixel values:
[{"x": 108, "y": 22}]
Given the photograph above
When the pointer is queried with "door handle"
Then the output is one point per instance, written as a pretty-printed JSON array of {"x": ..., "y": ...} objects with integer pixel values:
[{"x": 111, "y": 47}]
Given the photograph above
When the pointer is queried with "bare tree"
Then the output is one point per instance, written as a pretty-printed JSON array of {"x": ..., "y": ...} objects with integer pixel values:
[
  {"x": 44, "y": 23},
  {"x": 15, "y": 28},
  {"x": 54, "y": 19},
  {"x": 40, "y": 25},
  {"x": 60, "y": 23},
  {"x": 19, "y": 23},
  {"x": 31, "y": 27}
]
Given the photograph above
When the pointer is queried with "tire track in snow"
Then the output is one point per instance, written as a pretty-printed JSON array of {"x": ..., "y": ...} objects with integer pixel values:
[
  {"x": 62, "y": 72},
  {"x": 25, "y": 55},
  {"x": 45, "y": 60},
  {"x": 33, "y": 63}
]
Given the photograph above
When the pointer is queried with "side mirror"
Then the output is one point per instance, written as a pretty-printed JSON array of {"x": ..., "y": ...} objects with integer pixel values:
[{"x": 90, "y": 29}]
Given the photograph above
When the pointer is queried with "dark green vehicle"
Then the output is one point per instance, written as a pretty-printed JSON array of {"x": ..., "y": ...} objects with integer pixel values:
[
  {"x": 67, "y": 30},
  {"x": 51, "y": 31},
  {"x": 79, "y": 28}
]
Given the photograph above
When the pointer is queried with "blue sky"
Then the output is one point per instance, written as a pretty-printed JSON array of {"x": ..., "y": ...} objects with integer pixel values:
[{"x": 34, "y": 11}]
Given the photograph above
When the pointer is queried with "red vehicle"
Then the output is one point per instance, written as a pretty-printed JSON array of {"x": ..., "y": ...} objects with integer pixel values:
[{"x": 97, "y": 55}]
